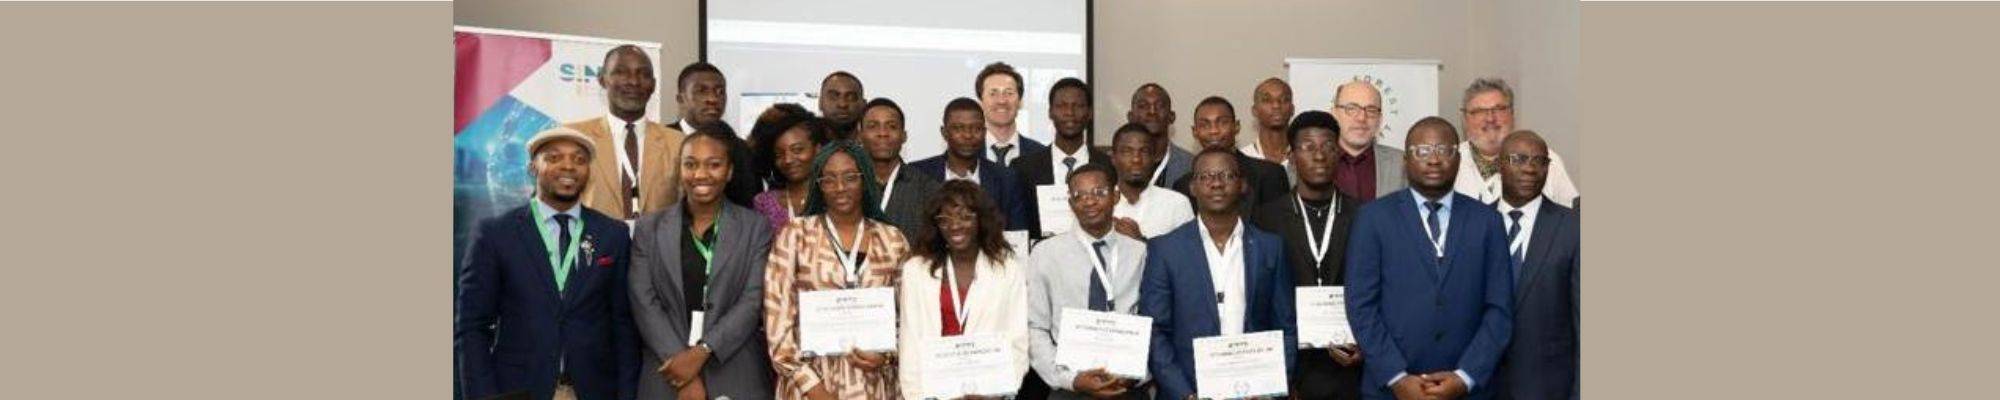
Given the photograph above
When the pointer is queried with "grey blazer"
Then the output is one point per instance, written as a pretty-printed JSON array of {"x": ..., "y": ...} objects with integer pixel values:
[
  {"x": 1388, "y": 171},
  {"x": 739, "y": 366},
  {"x": 907, "y": 200},
  {"x": 1059, "y": 278},
  {"x": 1179, "y": 164}
]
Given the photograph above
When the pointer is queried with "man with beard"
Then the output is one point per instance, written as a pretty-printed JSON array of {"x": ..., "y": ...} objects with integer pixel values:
[
  {"x": 1154, "y": 109},
  {"x": 541, "y": 308},
  {"x": 1215, "y": 128},
  {"x": 1107, "y": 282},
  {"x": 1069, "y": 109},
  {"x": 1314, "y": 220},
  {"x": 1365, "y": 168},
  {"x": 840, "y": 100},
  {"x": 1143, "y": 210},
  {"x": 633, "y": 172},
  {"x": 1429, "y": 294},
  {"x": 1489, "y": 116}
]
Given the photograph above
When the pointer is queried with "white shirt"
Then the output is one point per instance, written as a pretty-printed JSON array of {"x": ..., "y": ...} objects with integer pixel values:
[
  {"x": 1520, "y": 243},
  {"x": 1012, "y": 154},
  {"x": 1158, "y": 211},
  {"x": 1225, "y": 269},
  {"x": 1060, "y": 172},
  {"x": 971, "y": 175},
  {"x": 1557, "y": 187},
  {"x": 1255, "y": 151},
  {"x": 617, "y": 127}
]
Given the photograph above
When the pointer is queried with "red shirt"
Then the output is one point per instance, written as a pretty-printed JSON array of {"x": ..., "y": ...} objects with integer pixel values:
[
  {"x": 1355, "y": 174},
  {"x": 951, "y": 327}
]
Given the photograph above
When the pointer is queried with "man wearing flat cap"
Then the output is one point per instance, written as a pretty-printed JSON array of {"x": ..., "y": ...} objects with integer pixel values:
[{"x": 541, "y": 308}]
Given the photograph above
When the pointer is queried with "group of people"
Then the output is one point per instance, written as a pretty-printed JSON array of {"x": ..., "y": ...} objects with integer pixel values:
[{"x": 668, "y": 260}]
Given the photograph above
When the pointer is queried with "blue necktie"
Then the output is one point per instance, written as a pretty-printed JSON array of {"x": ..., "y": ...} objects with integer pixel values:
[
  {"x": 1512, "y": 232},
  {"x": 1098, "y": 302}
]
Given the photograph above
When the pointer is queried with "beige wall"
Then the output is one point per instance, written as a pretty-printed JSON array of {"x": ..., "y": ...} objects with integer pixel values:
[{"x": 1198, "y": 48}]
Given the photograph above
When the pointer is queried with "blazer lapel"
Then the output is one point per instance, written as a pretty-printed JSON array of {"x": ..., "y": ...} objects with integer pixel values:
[
  {"x": 1413, "y": 224},
  {"x": 669, "y": 243},
  {"x": 1547, "y": 221},
  {"x": 656, "y": 174},
  {"x": 530, "y": 233},
  {"x": 1202, "y": 279},
  {"x": 583, "y": 274},
  {"x": 1454, "y": 237}
]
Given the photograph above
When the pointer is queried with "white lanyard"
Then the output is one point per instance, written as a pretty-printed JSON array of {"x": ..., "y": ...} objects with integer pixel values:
[
  {"x": 889, "y": 187},
  {"x": 630, "y": 171},
  {"x": 957, "y": 298},
  {"x": 850, "y": 261},
  {"x": 1325, "y": 241},
  {"x": 1437, "y": 242},
  {"x": 1162, "y": 168},
  {"x": 1103, "y": 273}
]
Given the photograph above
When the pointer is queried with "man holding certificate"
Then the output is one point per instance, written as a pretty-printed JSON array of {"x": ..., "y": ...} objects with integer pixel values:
[
  {"x": 1224, "y": 283},
  {"x": 829, "y": 290},
  {"x": 964, "y": 300},
  {"x": 1081, "y": 346},
  {"x": 1314, "y": 221},
  {"x": 1428, "y": 288}
]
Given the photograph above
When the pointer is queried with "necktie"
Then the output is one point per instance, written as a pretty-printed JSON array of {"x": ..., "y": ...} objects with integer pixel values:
[
  {"x": 1437, "y": 235},
  {"x": 1512, "y": 232},
  {"x": 1000, "y": 152},
  {"x": 631, "y": 158},
  {"x": 1098, "y": 302},
  {"x": 562, "y": 245},
  {"x": 1069, "y": 164}
]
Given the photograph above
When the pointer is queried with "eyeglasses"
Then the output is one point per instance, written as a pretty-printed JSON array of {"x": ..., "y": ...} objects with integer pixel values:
[
  {"x": 1431, "y": 151},
  {"x": 843, "y": 180},
  {"x": 1485, "y": 112},
  {"x": 953, "y": 218},
  {"x": 1523, "y": 160},
  {"x": 1099, "y": 193},
  {"x": 1356, "y": 110},
  {"x": 1216, "y": 176}
]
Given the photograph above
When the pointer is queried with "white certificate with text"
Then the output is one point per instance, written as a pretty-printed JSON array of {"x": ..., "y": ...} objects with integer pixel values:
[
  {"x": 1240, "y": 366},
  {"x": 968, "y": 364},
  {"x": 1322, "y": 312},
  {"x": 1118, "y": 343},
  {"x": 831, "y": 322},
  {"x": 1054, "y": 198}
]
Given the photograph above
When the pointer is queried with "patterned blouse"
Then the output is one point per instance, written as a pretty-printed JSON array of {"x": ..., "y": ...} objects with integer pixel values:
[{"x": 802, "y": 259}]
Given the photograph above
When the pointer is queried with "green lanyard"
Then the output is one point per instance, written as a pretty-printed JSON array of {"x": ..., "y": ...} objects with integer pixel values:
[
  {"x": 568, "y": 255},
  {"x": 707, "y": 253}
]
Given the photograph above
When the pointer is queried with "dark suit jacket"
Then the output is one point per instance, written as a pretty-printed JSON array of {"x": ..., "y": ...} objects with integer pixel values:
[
  {"x": 907, "y": 200},
  {"x": 1035, "y": 169},
  {"x": 999, "y": 184},
  {"x": 512, "y": 327},
  {"x": 1178, "y": 293},
  {"x": 1410, "y": 319},
  {"x": 732, "y": 326},
  {"x": 1267, "y": 181},
  {"x": 1317, "y": 376},
  {"x": 1024, "y": 147},
  {"x": 1544, "y": 358}
]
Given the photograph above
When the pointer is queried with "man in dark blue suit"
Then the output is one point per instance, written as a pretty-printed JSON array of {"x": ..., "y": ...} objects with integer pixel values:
[
  {"x": 1544, "y": 241},
  {"x": 1213, "y": 276},
  {"x": 965, "y": 138},
  {"x": 1428, "y": 285},
  {"x": 541, "y": 306}
]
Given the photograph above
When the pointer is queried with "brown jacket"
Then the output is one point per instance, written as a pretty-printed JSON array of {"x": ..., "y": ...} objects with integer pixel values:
[{"x": 659, "y": 175}]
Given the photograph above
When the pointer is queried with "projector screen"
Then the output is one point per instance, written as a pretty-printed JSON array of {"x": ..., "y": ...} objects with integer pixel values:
[{"x": 920, "y": 53}]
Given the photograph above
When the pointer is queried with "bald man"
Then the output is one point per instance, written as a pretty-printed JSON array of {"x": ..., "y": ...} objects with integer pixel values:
[
  {"x": 1363, "y": 168},
  {"x": 1544, "y": 241},
  {"x": 633, "y": 174},
  {"x": 1488, "y": 113}
]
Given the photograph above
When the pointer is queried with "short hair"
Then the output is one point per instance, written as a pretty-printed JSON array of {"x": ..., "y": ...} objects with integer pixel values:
[
  {"x": 774, "y": 123},
  {"x": 1164, "y": 95},
  {"x": 1524, "y": 134},
  {"x": 1067, "y": 83},
  {"x": 718, "y": 126},
  {"x": 1431, "y": 123},
  {"x": 1310, "y": 119},
  {"x": 1110, "y": 173},
  {"x": 963, "y": 104},
  {"x": 1281, "y": 83},
  {"x": 634, "y": 49},
  {"x": 1231, "y": 153},
  {"x": 1214, "y": 100},
  {"x": 870, "y": 203},
  {"x": 885, "y": 102},
  {"x": 680, "y": 83},
  {"x": 829, "y": 78},
  {"x": 1488, "y": 84},
  {"x": 718, "y": 132},
  {"x": 1131, "y": 127},
  {"x": 979, "y": 84}
]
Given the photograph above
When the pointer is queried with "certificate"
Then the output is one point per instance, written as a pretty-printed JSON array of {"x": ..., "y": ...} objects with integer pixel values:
[
  {"x": 1322, "y": 312},
  {"x": 1118, "y": 343},
  {"x": 1054, "y": 200},
  {"x": 1240, "y": 366},
  {"x": 969, "y": 364},
  {"x": 833, "y": 321}
]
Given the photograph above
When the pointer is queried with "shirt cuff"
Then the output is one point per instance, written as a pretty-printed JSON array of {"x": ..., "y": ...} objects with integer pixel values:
[
  {"x": 1467, "y": 378},
  {"x": 1399, "y": 376}
]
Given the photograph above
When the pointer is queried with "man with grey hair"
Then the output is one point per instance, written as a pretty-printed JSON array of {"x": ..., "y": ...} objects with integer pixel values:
[
  {"x": 1489, "y": 115},
  {"x": 1363, "y": 168}
]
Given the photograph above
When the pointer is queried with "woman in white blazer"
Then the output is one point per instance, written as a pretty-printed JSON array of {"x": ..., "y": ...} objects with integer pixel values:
[{"x": 963, "y": 279}]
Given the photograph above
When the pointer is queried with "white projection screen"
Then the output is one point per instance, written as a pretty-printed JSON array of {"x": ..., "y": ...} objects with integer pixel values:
[{"x": 920, "y": 53}]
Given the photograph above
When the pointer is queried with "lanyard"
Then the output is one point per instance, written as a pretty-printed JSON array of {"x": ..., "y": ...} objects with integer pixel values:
[
  {"x": 957, "y": 298},
  {"x": 889, "y": 187},
  {"x": 850, "y": 261},
  {"x": 1325, "y": 241},
  {"x": 567, "y": 256},
  {"x": 1103, "y": 273},
  {"x": 707, "y": 253}
]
